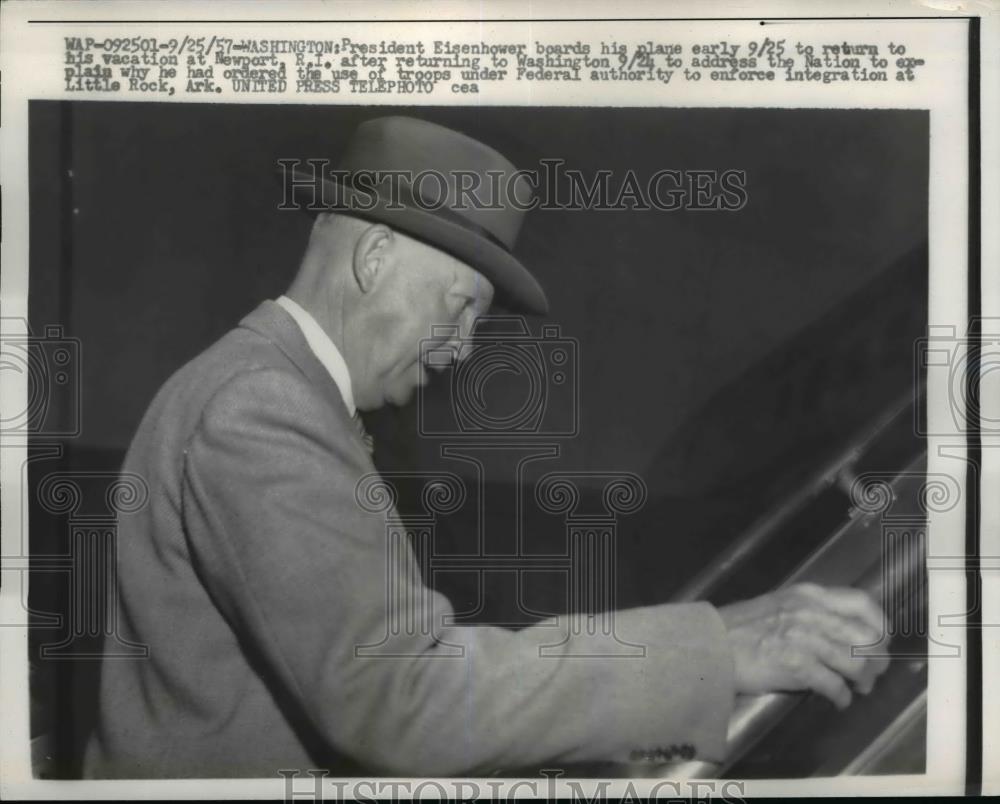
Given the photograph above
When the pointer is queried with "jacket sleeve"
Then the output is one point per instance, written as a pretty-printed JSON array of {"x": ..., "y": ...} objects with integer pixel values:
[{"x": 300, "y": 570}]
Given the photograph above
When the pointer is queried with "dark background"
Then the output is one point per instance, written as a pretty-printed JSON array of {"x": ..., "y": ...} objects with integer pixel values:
[
  {"x": 175, "y": 236},
  {"x": 724, "y": 355}
]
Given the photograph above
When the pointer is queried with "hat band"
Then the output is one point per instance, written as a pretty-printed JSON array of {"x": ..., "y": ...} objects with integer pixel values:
[{"x": 408, "y": 198}]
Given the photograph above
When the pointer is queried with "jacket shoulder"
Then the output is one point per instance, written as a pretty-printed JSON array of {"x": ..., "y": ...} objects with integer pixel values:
[{"x": 241, "y": 362}]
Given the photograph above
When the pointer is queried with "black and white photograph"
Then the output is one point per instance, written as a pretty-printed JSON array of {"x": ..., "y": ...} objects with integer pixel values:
[
  {"x": 675, "y": 405},
  {"x": 408, "y": 439}
]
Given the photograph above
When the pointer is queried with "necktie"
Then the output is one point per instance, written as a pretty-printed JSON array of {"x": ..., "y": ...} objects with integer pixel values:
[{"x": 368, "y": 441}]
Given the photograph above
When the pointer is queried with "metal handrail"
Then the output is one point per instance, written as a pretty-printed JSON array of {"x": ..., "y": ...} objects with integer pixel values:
[
  {"x": 754, "y": 716},
  {"x": 759, "y": 534}
]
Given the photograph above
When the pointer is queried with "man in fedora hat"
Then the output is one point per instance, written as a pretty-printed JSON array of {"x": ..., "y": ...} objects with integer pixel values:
[{"x": 255, "y": 577}]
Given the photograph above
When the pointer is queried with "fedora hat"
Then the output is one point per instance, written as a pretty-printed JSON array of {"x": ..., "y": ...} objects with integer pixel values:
[{"x": 435, "y": 185}]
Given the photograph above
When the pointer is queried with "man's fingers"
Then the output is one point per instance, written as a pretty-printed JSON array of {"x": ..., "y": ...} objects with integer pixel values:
[
  {"x": 827, "y": 683},
  {"x": 804, "y": 637},
  {"x": 874, "y": 667},
  {"x": 848, "y": 602},
  {"x": 836, "y": 656},
  {"x": 836, "y": 627}
]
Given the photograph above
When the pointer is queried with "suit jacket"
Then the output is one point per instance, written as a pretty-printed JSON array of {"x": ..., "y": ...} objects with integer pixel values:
[{"x": 254, "y": 575}]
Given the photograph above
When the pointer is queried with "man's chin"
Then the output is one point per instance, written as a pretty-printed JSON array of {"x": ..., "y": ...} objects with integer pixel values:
[{"x": 402, "y": 391}]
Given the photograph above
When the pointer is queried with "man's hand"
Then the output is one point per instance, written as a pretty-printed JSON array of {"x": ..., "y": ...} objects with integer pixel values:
[{"x": 800, "y": 638}]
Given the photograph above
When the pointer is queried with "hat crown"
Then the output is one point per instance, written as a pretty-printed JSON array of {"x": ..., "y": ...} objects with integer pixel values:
[
  {"x": 437, "y": 185},
  {"x": 445, "y": 169}
]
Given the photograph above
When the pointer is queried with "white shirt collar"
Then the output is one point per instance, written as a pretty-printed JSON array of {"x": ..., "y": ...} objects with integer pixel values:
[{"x": 326, "y": 350}]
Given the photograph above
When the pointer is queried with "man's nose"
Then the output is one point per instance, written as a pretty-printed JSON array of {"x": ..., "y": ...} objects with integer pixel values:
[
  {"x": 461, "y": 340},
  {"x": 467, "y": 321}
]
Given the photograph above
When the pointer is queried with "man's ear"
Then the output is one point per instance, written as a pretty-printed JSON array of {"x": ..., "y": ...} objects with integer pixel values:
[{"x": 371, "y": 253}]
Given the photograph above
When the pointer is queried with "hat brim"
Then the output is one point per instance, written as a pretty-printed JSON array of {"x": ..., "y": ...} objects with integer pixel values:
[{"x": 516, "y": 289}]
